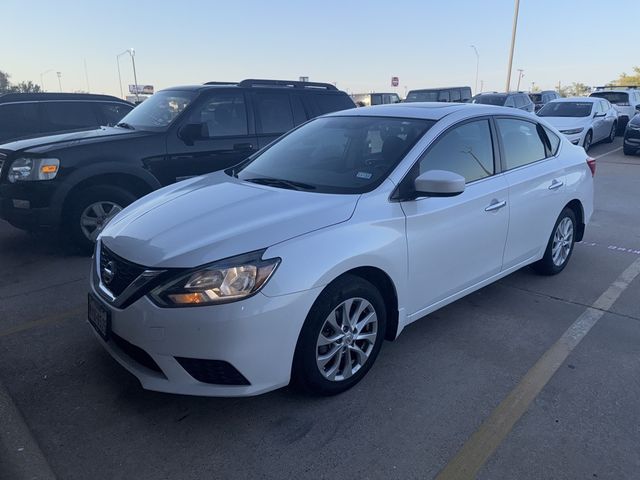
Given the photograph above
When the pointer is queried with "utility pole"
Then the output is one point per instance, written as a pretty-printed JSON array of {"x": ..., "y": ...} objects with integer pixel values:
[
  {"x": 59, "y": 82},
  {"x": 481, "y": 86},
  {"x": 86, "y": 75},
  {"x": 42, "y": 78},
  {"x": 520, "y": 75},
  {"x": 475, "y": 91},
  {"x": 513, "y": 43}
]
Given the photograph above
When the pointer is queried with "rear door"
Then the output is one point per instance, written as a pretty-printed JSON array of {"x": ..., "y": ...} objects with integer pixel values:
[
  {"x": 536, "y": 185},
  {"x": 58, "y": 116},
  {"x": 274, "y": 115},
  {"x": 227, "y": 136},
  {"x": 600, "y": 127},
  {"x": 18, "y": 120}
]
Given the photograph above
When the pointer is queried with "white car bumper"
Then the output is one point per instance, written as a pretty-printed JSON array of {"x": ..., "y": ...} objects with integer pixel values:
[
  {"x": 256, "y": 337},
  {"x": 576, "y": 138}
]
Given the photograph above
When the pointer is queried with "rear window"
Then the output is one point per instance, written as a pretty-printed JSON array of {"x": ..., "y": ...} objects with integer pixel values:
[
  {"x": 68, "y": 115},
  {"x": 489, "y": 99},
  {"x": 619, "y": 98},
  {"x": 566, "y": 109},
  {"x": 326, "y": 103}
]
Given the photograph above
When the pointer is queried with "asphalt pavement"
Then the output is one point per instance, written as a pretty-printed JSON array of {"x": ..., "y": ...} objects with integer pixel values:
[{"x": 471, "y": 388}]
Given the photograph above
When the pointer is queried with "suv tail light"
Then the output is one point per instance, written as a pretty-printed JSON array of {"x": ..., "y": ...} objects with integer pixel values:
[{"x": 592, "y": 165}]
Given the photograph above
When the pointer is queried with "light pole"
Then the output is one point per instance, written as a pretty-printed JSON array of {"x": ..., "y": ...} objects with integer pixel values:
[
  {"x": 520, "y": 75},
  {"x": 59, "y": 82},
  {"x": 513, "y": 43},
  {"x": 135, "y": 77},
  {"x": 131, "y": 52},
  {"x": 475, "y": 91},
  {"x": 42, "y": 78}
]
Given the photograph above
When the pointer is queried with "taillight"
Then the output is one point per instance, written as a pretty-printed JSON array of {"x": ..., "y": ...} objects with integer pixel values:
[{"x": 592, "y": 165}]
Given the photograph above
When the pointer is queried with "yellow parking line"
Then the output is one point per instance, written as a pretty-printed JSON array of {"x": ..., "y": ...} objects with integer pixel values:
[
  {"x": 43, "y": 321},
  {"x": 488, "y": 437}
]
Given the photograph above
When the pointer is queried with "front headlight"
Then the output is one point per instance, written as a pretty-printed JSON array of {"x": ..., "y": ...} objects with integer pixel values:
[
  {"x": 221, "y": 282},
  {"x": 572, "y": 131},
  {"x": 32, "y": 169}
]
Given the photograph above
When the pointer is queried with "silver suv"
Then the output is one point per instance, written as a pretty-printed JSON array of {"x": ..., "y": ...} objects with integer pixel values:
[{"x": 626, "y": 101}]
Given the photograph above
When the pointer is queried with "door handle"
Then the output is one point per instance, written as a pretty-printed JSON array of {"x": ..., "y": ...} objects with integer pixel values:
[
  {"x": 495, "y": 205},
  {"x": 243, "y": 146},
  {"x": 555, "y": 184}
]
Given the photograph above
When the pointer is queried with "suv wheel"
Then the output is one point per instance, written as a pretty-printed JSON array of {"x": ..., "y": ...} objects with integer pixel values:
[
  {"x": 91, "y": 210},
  {"x": 341, "y": 337}
]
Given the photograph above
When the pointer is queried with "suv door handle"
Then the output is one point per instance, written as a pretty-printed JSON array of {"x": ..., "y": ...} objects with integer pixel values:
[
  {"x": 495, "y": 205},
  {"x": 555, "y": 184},
  {"x": 243, "y": 146}
]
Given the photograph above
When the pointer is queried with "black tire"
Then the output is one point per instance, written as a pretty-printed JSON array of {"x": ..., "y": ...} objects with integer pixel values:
[
  {"x": 81, "y": 201},
  {"x": 546, "y": 266},
  {"x": 628, "y": 151},
  {"x": 306, "y": 373},
  {"x": 612, "y": 134},
  {"x": 588, "y": 140}
]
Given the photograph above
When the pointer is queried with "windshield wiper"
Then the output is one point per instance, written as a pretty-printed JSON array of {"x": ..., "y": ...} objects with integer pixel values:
[
  {"x": 278, "y": 182},
  {"x": 125, "y": 125}
]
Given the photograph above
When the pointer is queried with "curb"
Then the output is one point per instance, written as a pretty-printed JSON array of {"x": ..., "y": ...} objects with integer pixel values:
[{"x": 20, "y": 455}]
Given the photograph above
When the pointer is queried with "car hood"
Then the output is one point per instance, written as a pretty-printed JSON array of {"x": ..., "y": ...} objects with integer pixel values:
[
  {"x": 62, "y": 140},
  {"x": 567, "y": 123},
  {"x": 215, "y": 216}
]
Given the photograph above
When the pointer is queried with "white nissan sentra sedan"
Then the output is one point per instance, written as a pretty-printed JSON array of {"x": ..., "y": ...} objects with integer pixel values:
[{"x": 296, "y": 264}]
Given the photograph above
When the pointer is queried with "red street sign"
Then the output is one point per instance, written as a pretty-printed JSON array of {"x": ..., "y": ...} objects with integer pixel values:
[{"x": 395, "y": 81}]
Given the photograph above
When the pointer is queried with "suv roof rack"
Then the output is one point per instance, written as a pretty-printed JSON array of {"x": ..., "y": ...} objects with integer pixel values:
[
  {"x": 612, "y": 87},
  {"x": 256, "y": 82},
  {"x": 17, "y": 97},
  {"x": 221, "y": 83}
]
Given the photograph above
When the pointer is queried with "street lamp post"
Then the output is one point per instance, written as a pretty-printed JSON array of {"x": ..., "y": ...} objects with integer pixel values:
[
  {"x": 135, "y": 77},
  {"x": 475, "y": 91},
  {"x": 59, "y": 81},
  {"x": 520, "y": 75},
  {"x": 42, "y": 78},
  {"x": 132, "y": 53},
  {"x": 513, "y": 43}
]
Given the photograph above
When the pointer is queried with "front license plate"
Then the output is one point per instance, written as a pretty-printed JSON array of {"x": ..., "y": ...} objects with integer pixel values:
[{"x": 99, "y": 317}]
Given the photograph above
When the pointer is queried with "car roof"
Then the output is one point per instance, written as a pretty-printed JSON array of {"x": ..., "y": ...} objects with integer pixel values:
[
  {"x": 253, "y": 83},
  {"x": 39, "y": 97},
  {"x": 425, "y": 110},
  {"x": 434, "y": 89},
  {"x": 576, "y": 99}
]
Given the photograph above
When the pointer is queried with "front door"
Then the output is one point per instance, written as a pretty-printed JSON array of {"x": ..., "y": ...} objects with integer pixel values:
[
  {"x": 225, "y": 138},
  {"x": 457, "y": 242}
]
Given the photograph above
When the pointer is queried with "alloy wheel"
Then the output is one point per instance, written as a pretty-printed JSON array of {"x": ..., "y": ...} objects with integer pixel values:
[
  {"x": 562, "y": 242},
  {"x": 587, "y": 142},
  {"x": 346, "y": 339},
  {"x": 96, "y": 216}
]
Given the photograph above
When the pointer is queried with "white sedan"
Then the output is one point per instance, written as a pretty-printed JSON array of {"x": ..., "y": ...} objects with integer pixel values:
[
  {"x": 584, "y": 120},
  {"x": 298, "y": 263}
]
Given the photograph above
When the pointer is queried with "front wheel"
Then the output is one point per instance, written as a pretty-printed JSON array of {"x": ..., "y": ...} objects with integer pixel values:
[
  {"x": 91, "y": 210},
  {"x": 587, "y": 141},
  {"x": 560, "y": 245},
  {"x": 341, "y": 337}
]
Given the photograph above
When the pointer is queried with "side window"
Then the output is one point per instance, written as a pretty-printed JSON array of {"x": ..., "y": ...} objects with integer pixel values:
[
  {"x": 466, "y": 150},
  {"x": 554, "y": 141},
  {"x": 520, "y": 101},
  {"x": 521, "y": 142},
  {"x": 395, "y": 98},
  {"x": 68, "y": 116},
  {"x": 299, "y": 114},
  {"x": 18, "y": 119},
  {"x": 376, "y": 99},
  {"x": 443, "y": 96},
  {"x": 274, "y": 112},
  {"x": 221, "y": 115},
  {"x": 509, "y": 102},
  {"x": 112, "y": 113},
  {"x": 455, "y": 95},
  {"x": 466, "y": 94},
  {"x": 332, "y": 102}
]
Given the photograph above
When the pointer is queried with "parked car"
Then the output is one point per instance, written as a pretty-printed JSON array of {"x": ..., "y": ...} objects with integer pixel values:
[
  {"x": 78, "y": 181},
  {"x": 299, "y": 262},
  {"x": 511, "y": 99},
  {"x": 631, "y": 142},
  {"x": 29, "y": 114},
  {"x": 448, "y": 94},
  {"x": 583, "y": 120},
  {"x": 624, "y": 99},
  {"x": 540, "y": 99},
  {"x": 368, "y": 99}
]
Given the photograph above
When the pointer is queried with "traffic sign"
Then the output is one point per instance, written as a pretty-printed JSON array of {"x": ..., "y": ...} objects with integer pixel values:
[{"x": 395, "y": 81}]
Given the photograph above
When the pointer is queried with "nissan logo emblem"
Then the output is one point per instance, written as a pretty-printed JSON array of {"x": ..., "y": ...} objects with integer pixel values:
[{"x": 108, "y": 272}]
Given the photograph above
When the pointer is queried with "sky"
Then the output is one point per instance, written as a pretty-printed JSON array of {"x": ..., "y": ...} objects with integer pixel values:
[{"x": 359, "y": 45}]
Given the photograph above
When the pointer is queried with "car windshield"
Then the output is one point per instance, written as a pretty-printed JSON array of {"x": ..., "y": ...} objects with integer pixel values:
[
  {"x": 619, "y": 98},
  {"x": 422, "y": 96},
  {"x": 489, "y": 99},
  {"x": 158, "y": 111},
  {"x": 566, "y": 109},
  {"x": 342, "y": 154},
  {"x": 536, "y": 97}
]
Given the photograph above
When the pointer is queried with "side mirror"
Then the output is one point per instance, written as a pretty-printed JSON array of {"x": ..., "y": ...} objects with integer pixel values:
[
  {"x": 191, "y": 132},
  {"x": 439, "y": 183},
  {"x": 638, "y": 108},
  {"x": 597, "y": 115}
]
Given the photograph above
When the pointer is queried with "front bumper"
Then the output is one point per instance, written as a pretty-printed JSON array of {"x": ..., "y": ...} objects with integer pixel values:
[
  {"x": 257, "y": 336},
  {"x": 576, "y": 138},
  {"x": 632, "y": 140},
  {"x": 29, "y": 205}
]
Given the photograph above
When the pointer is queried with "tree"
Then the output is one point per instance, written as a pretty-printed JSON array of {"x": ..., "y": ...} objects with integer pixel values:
[
  {"x": 625, "y": 79},
  {"x": 25, "y": 87},
  {"x": 4, "y": 82}
]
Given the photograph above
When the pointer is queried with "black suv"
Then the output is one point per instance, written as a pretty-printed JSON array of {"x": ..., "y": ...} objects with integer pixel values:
[
  {"x": 518, "y": 100},
  {"x": 29, "y": 114},
  {"x": 80, "y": 180},
  {"x": 448, "y": 94}
]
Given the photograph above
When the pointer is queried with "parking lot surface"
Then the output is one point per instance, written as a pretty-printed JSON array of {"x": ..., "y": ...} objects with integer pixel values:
[{"x": 421, "y": 408}]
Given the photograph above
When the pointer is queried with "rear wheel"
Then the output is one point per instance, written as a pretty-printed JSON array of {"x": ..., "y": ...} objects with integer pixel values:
[
  {"x": 560, "y": 246},
  {"x": 341, "y": 337},
  {"x": 612, "y": 134},
  {"x": 587, "y": 141},
  {"x": 91, "y": 210}
]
